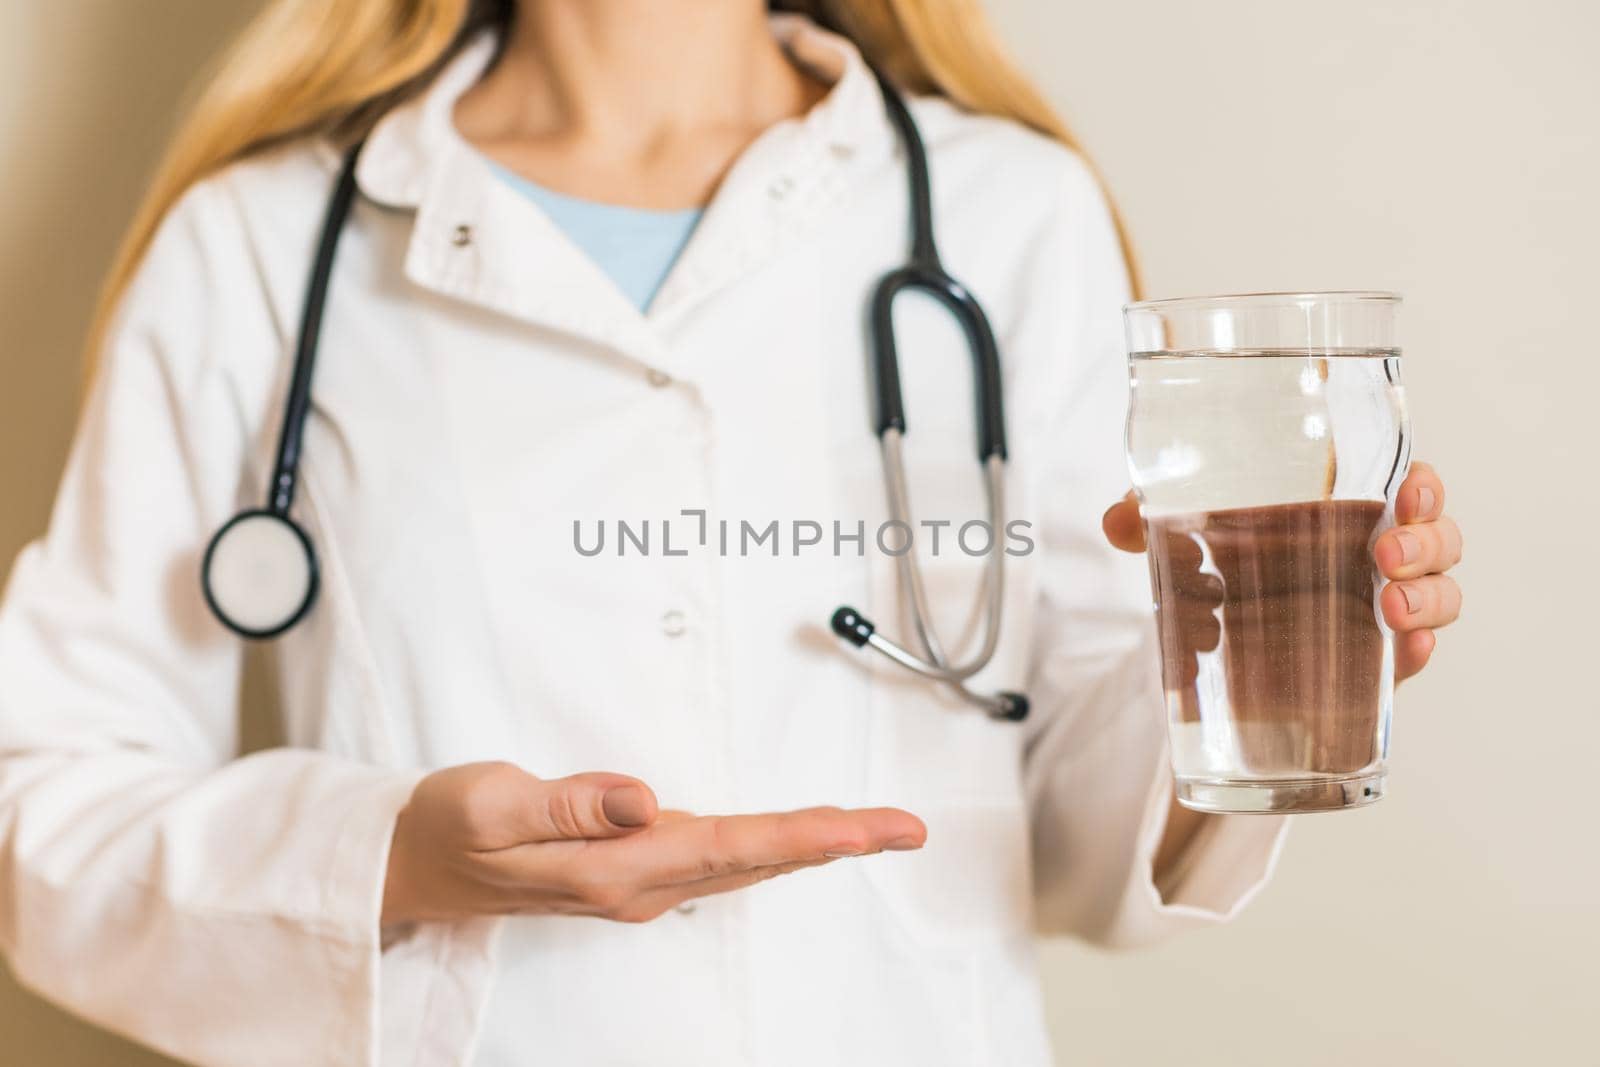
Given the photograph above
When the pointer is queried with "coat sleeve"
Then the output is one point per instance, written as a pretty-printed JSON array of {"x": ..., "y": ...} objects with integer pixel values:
[
  {"x": 1098, "y": 779},
  {"x": 224, "y": 910}
]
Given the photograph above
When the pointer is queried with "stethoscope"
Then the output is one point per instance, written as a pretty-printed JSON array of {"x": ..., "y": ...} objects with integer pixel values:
[{"x": 260, "y": 574}]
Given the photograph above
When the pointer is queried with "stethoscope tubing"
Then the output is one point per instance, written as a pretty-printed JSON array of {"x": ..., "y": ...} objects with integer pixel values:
[
  {"x": 936, "y": 665},
  {"x": 925, "y": 273},
  {"x": 291, "y": 436}
]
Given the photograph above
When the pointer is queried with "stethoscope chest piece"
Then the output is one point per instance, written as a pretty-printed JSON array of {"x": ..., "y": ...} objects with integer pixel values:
[{"x": 260, "y": 573}]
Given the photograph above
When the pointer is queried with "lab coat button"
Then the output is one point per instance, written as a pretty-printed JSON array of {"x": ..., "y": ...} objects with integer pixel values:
[
  {"x": 781, "y": 187},
  {"x": 462, "y": 237},
  {"x": 673, "y": 624},
  {"x": 659, "y": 379}
]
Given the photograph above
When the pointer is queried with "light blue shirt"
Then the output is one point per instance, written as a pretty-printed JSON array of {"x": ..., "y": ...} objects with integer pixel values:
[{"x": 635, "y": 247}]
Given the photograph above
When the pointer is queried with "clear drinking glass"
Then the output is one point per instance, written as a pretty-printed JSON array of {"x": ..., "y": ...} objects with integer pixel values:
[{"x": 1266, "y": 437}]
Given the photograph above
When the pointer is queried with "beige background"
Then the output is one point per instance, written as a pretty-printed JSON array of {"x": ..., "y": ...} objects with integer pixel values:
[{"x": 1445, "y": 148}]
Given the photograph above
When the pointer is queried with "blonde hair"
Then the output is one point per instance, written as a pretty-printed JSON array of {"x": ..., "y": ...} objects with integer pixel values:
[{"x": 332, "y": 67}]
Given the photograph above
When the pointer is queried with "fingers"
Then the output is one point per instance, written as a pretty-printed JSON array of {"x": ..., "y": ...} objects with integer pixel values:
[
  {"x": 1419, "y": 598},
  {"x": 609, "y": 877},
  {"x": 1420, "y": 548},
  {"x": 720, "y": 845},
  {"x": 1122, "y": 525},
  {"x": 1411, "y": 652},
  {"x": 582, "y": 806},
  {"x": 1420, "y": 497},
  {"x": 1424, "y": 603}
]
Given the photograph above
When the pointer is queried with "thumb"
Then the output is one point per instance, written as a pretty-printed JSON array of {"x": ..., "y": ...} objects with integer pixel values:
[
  {"x": 1122, "y": 524},
  {"x": 587, "y": 806}
]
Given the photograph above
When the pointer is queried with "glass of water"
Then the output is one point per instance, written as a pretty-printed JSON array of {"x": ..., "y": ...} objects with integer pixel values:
[{"x": 1267, "y": 435}]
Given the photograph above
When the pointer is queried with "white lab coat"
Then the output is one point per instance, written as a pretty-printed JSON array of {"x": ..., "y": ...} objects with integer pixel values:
[{"x": 482, "y": 388}]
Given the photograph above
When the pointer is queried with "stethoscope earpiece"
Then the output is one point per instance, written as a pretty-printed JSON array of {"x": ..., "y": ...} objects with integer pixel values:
[
  {"x": 259, "y": 574},
  {"x": 1016, "y": 707},
  {"x": 851, "y": 625}
]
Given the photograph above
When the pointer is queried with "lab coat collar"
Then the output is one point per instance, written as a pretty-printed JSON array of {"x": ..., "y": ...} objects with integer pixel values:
[
  {"x": 404, "y": 150},
  {"x": 475, "y": 238},
  {"x": 407, "y": 145}
]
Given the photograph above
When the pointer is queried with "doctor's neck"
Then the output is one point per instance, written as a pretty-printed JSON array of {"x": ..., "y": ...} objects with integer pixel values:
[{"x": 634, "y": 101}]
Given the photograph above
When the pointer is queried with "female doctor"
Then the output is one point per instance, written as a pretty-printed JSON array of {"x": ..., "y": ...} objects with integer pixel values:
[{"x": 604, "y": 262}]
